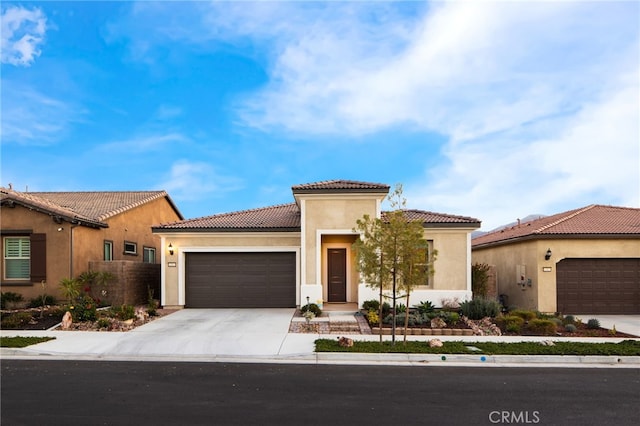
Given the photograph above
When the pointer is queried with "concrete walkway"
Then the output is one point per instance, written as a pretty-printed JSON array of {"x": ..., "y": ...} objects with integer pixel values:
[{"x": 261, "y": 335}]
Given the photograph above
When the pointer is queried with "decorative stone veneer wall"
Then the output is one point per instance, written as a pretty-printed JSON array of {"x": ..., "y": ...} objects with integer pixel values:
[{"x": 132, "y": 280}]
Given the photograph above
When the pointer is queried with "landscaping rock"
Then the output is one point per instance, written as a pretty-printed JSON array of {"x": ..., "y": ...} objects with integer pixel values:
[
  {"x": 66, "y": 321},
  {"x": 435, "y": 343}
]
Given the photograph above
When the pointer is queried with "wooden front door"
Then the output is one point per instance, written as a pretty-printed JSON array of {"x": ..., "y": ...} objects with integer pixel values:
[{"x": 337, "y": 274}]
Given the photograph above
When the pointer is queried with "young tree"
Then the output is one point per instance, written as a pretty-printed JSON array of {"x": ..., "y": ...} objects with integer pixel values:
[{"x": 391, "y": 254}]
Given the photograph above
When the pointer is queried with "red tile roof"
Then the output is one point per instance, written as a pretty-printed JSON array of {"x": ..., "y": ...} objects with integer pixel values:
[
  {"x": 286, "y": 218},
  {"x": 89, "y": 208},
  {"x": 594, "y": 220},
  {"x": 432, "y": 219},
  {"x": 339, "y": 186},
  {"x": 283, "y": 217}
]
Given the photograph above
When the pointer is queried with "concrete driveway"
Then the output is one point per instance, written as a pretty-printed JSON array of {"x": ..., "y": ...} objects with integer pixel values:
[
  {"x": 629, "y": 324},
  {"x": 190, "y": 333}
]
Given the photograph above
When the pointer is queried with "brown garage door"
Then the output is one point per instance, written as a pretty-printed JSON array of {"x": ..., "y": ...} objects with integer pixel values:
[
  {"x": 240, "y": 280},
  {"x": 598, "y": 286}
]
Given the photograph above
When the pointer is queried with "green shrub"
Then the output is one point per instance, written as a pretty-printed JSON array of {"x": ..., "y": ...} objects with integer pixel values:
[
  {"x": 103, "y": 323},
  {"x": 513, "y": 323},
  {"x": 570, "y": 328},
  {"x": 557, "y": 321},
  {"x": 593, "y": 324},
  {"x": 569, "y": 319},
  {"x": 543, "y": 326},
  {"x": 425, "y": 307},
  {"x": 124, "y": 312},
  {"x": 449, "y": 317},
  {"x": 373, "y": 317},
  {"x": 413, "y": 319},
  {"x": 525, "y": 315},
  {"x": 386, "y": 308},
  {"x": 16, "y": 320},
  {"x": 313, "y": 308},
  {"x": 8, "y": 298},
  {"x": 84, "y": 309},
  {"x": 369, "y": 305},
  {"x": 46, "y": 299},
  {"x": 479, "y": 308}
]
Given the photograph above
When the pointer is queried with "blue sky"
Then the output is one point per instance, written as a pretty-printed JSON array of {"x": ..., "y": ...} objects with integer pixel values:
[{"x": 494, "y": 110}]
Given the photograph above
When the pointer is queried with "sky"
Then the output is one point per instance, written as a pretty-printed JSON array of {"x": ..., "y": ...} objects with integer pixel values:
[{"x": 489, "y": 109}]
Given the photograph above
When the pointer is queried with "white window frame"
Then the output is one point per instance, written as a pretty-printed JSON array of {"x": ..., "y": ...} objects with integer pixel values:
[
  {"x": 145, "y": 256},
  {"x": 134, "y": 245},
  {"x": 108, "y": 245},
  {"x": 23, "y": 255}
]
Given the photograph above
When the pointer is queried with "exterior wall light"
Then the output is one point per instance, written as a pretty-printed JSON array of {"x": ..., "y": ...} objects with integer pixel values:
[
  {"x": 170, "y": 249},
  {"x": 547, "y": 256}
]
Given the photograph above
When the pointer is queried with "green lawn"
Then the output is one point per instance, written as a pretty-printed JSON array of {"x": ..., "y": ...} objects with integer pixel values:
[
  {"x": 21, "y": 342},
  {"x": 624, "y": 348}
]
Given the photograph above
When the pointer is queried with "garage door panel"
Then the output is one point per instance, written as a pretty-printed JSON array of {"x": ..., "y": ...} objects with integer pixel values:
[
  {"x": 604, "y": 286},
  {"x": 246, "y": 279}
]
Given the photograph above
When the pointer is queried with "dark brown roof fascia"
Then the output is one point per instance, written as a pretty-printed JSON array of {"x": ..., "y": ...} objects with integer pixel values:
[
  {"x": 157, "y": 229},
  {"x": 451, "y": 224},
  {"x": 74, "y": 220},
  {"x": 557, "y": 237}
]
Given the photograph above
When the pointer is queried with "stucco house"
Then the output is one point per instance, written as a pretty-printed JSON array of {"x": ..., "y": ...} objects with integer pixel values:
[
  {"x": 48, "y": 236},
  {"x": 284, "y": 255},
  {"x": 583, "y": 261}
]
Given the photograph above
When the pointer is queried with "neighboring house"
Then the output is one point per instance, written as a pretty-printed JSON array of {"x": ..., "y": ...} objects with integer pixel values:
[
  {"x": 48, "y": 236},
  {"x": 284, "y": 255},
  {"x": 584, "y": 261}
]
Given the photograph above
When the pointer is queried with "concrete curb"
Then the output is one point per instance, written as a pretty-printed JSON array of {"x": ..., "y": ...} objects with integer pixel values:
[{"x": 342, "y": 358}]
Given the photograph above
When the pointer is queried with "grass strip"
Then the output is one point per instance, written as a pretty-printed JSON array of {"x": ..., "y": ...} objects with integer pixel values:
[
  {"x": 21, "y": 341},
  {"x": 624, "y": 348}
]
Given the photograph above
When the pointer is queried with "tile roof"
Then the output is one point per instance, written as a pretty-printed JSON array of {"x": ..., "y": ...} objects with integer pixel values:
[
  {"x": 90, "y": 208},
  {"x": 339, "y": 186},
  {"x": 593, "y": 220},
  {"x": 434, "y": 219},
  {"x": 286, "y": 217},
  {"x": 283, "y": 217}
]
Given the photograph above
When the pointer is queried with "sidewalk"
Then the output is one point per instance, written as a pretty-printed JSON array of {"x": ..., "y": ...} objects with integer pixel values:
[{"x": 220, "y": 336}]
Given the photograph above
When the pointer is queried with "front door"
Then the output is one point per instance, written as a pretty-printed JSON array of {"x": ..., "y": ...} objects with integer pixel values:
[{"x": 337, "y": 274}]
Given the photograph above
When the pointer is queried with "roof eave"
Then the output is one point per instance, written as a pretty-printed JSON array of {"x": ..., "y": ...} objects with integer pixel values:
[
  {"x": 74, "y": 220},
  {"x": 530, "y": 237},
  {"x": 156, "y": 230}
]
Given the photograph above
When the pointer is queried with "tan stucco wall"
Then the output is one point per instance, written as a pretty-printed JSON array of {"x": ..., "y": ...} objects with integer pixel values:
[
  {"x": 452, "y": 263},
  {"x": 189, "y": 242},
  {"x": 88, "y": 243},
  {"x": 542, "y": 293},
  {"x": 327, "y": 213},
  {"x": 58, "y": 243}
]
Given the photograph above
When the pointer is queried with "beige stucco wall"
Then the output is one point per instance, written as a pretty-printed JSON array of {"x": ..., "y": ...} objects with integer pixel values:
[
  {"x": 88, "y": 243},
  {"x": 541, "y": 294},
  {"x": 452, "y": 263},
  {"x": 173, "y": 265},
  {"x": 328, "y": 214}
]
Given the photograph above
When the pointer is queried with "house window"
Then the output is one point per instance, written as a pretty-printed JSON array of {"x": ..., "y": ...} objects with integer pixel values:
[
  {"x": 108, "y": 251},
  {"x": 17, "y": 258},
  {"x": 429, "y": 259},
  {"x": 149, "y": 255},
  {"x": 130, "y": 248}
]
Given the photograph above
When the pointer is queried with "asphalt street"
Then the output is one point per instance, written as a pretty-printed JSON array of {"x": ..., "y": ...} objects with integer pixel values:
[{"x": 162, "y": 393}]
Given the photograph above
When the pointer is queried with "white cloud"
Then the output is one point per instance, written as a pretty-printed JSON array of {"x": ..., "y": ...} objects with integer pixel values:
[
  {"x": 189, "y": 181},
  {"x": 23, "y": 32},
  {"x": 143, "y": 143},
  {"x": 32, "y": 117}
]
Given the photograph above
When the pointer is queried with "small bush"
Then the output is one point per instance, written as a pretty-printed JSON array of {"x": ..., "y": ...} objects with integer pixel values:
[
  {"x": 84, "y": 309},
  {"x": 373, "y": 318},
  {"x": 36, "y": 302},
  {"x": 124, "y": 312},
  {"x": 555, "y": 320},
  {"x": 479, "y": 308},
  {"x": 386, "y": 308},
  {"x": 151, "y": 303},
  {"x": 103, "y": 323},
  {"x": 513, "y": 323},
  {"x": 369, "y": 305},
  {"x": 593, "y": 324},
  {"x": 425, "y": 307},
  {"x": 449, "y": 317},
  {"x": 543, "y": 326},
  {"x": 570, "y": 328},
  {"x": 313, "y": 308},
  {"x": 569, "y": 319},
  {"x": 413, "y": 319},
  {"x": 8, "y": 298},
  {"x": 400, "y": 308},
  {"x": 16, "y": 320},
  {"x": 525, "y": 315}
]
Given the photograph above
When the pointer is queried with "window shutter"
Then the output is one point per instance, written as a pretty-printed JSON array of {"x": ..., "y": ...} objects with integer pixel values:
[{"x": 38, "y": 258}]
